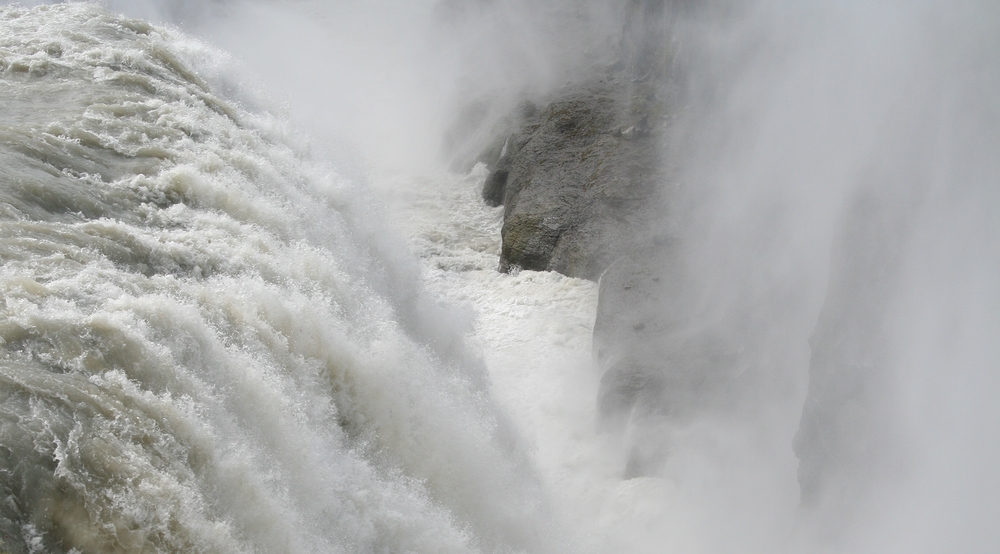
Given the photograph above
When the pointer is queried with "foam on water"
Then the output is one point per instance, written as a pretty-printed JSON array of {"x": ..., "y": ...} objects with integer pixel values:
[
  {"x": 212, "y": 342},
  {"x": 206, "y": 345},
  {"x": 534, "y": 329}
]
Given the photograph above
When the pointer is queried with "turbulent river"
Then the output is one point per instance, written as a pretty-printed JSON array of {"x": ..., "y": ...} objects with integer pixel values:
[
  {"x": 214, "y": 339},
  {"x": 212, "y": 343}
]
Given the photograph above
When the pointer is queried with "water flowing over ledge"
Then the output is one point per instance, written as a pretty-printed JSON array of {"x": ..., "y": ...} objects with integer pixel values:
[
  {"x": 204, "y": 347},
  {"x": 213, "y": 337}
]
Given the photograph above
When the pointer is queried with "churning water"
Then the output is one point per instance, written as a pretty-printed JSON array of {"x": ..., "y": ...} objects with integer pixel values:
[
  {"x": 205, "y": 346},
  {"x": 213, "y": 341}
]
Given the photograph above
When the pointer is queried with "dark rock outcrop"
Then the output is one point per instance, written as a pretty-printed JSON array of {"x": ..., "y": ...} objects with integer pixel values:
[
  {"x": 583, "y": 184},
  {"x": 577, "y": 177},
  {"x": 574, "y": 179},
  {"x": 585, "y": 176},
  {"x": 587, "y": 186}
]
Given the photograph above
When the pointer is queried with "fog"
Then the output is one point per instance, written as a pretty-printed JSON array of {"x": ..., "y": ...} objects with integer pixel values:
[
  {"x": 837, "y": 177},
  {"x": 843, "y": 169}
]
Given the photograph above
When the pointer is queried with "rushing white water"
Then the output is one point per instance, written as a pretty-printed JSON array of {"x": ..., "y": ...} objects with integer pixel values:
[
  {"x": 534, "y": 329},
  {"x": 215, "y": 339},
  {"x": 211, "y": 345},
  {"x": 206, "y": 348}
]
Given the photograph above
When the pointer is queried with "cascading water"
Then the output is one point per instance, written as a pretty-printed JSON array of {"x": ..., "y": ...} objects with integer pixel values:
[
  {"x": 212, "y": 340},
  {"x": 204, "y": 350}
]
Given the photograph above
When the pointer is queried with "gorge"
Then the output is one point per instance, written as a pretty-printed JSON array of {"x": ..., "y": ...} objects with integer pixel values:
[{"x": 499, "y": 276}]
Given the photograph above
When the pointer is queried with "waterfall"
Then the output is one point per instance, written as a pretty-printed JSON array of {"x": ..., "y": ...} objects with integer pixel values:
[
  {"x": 205, "y": 348},
  {"x": 245, "y": 308}
]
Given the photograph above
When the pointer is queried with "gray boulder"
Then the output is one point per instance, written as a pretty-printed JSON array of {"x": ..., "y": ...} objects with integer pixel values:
[
  {"x": 578, "y": 176},
  {"x": 574, "y": 180}
]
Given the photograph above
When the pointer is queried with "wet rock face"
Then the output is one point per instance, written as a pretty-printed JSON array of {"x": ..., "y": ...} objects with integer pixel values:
[
  {"x": 668, "y": 356},
  {"x": 573, "y": 179},
  {"x": 579, "y": 171},
  {"x": 584, "y": 177},
  {"x": 581, "y": 177},
  {"x": 665, "y": 357}
]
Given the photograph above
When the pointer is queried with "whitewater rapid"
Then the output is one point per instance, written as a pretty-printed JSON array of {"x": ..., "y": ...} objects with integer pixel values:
[
  {"x": 210, "y": 344},
  {"x": 218, "y": 334},
  {"x": 214, "y": 343},
  {"x": 534, "y": 330}
]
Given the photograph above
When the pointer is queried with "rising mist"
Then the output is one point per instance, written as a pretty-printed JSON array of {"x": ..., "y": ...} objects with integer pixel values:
[{"x": 831, "y": 194}]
